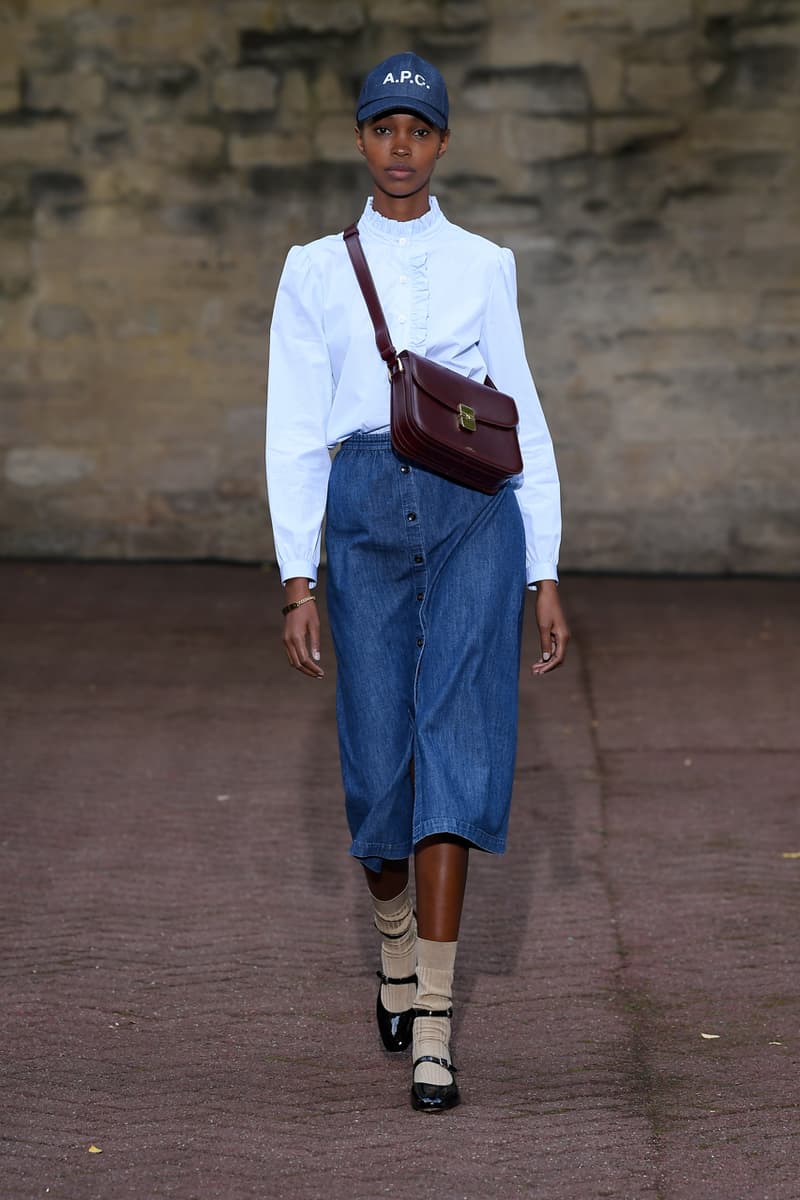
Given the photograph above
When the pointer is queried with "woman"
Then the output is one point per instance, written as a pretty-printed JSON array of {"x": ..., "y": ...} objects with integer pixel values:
[{"x": 426, "y": 578}]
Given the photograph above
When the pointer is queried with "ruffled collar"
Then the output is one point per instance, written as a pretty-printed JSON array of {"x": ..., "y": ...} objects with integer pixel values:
[{"x": 402, "y": 233}]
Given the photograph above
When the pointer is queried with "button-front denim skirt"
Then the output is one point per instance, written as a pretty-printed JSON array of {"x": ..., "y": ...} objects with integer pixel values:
[{"x": 426, "y": 583}]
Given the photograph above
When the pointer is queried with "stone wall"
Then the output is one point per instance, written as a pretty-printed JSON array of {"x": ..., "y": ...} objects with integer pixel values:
[{"x": 640, "y": 157}]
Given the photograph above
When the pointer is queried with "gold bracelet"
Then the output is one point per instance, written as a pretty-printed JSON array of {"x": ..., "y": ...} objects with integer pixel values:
[{"x": 296, "y": 604}]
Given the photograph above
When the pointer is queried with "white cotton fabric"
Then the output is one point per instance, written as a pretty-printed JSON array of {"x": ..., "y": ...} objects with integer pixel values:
[{"x": 446, "y": 293}]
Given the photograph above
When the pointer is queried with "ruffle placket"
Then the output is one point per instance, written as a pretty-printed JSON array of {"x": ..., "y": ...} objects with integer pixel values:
[
  {"x": 420, "y": 301},
  {"x": 408, "y": 239}
]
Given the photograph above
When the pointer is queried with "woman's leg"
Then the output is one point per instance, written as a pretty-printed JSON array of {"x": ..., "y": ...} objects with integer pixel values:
[
  {"x": 394, "y": 919},
  {"x": 441, "y": 875},
  {"x": 392, "y": 880},
  {"x": 440, "y": 871}
]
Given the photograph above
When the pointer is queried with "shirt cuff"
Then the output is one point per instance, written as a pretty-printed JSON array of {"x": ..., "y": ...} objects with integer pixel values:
[
  {"x": 298, "y": 568},
  {"x": 541, "y": 570}
]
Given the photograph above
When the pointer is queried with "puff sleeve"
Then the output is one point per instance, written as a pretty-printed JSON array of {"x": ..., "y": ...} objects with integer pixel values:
[
  {"x": 299, "y": 397},
  {"x": 503, "y": 350}
]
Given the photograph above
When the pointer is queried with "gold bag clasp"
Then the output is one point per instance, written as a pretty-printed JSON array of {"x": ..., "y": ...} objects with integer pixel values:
[{"x": 466, "y": 418}]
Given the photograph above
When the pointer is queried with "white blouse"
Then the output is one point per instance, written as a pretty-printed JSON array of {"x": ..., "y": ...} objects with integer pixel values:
[{"x": 446, "y": 293}]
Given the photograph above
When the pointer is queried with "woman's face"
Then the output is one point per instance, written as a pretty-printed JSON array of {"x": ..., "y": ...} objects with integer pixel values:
[{"x": 401, "y": 152}]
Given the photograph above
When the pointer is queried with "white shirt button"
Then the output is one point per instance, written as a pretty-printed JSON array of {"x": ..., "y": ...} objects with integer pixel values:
[
  {"x": 404, "y": 279},
  {"x": 402, "y": 241},
  {"x": 402, "y": 320}
]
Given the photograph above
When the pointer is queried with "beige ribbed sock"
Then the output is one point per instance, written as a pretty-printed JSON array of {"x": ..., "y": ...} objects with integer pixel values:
[
  {"x": 435, "y": 965},
  {"x": 395, "y": 919}
]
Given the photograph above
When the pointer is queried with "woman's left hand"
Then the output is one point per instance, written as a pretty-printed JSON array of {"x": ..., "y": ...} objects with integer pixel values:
[{"x": 553, "y": 630}]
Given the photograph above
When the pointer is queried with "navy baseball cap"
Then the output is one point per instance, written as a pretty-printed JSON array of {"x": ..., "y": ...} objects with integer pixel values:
[{"x": 404, "y": 82}]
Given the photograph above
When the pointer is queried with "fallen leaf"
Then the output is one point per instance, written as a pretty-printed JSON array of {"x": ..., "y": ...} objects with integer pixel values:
[
  {"x": 709, "y": 1036},
  {"x": 95, "y": 1149},
  {"x": 776, "y": 1043},
  {"x": 791, "y": 854}
]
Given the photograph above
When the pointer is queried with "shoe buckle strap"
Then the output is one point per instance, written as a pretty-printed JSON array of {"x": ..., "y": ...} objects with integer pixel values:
[
  {"x": 433, "y": 1012},
  {"x": 440, "y": 1062},
  {"x": 388, "y": 978}
]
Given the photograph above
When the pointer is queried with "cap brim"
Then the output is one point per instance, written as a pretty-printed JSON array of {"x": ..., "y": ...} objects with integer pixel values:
[{"x": 398, "y": 104}]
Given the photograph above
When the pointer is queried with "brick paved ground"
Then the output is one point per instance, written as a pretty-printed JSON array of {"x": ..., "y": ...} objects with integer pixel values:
[{"x": 187, "y": 959}]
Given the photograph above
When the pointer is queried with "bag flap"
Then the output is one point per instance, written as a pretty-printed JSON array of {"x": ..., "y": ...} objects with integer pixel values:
[{"x": 451, "y": 389}]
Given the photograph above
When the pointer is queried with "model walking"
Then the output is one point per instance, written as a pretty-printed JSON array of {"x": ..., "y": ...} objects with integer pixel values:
[{"x": 426, "y": 578}]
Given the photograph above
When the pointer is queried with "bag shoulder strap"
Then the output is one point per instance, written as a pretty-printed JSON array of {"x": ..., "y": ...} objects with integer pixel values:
[{"x": 367, "y": 284}]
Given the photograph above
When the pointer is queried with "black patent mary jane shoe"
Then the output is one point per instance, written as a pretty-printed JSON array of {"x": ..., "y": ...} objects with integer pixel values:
[
  {"x": 435, "y": 1097},
  {"x": 395, "y": 1028}
]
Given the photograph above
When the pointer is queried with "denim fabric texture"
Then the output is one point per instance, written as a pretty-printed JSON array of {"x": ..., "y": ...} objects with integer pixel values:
[{"x": 426, "y": 586}]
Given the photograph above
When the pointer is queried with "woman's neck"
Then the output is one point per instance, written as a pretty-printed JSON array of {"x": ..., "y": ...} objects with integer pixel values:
[{"x": 402, "y": 208}]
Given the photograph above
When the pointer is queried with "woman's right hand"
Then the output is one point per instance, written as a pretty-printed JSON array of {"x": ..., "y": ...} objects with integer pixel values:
[{"x": 301, "y": 630}]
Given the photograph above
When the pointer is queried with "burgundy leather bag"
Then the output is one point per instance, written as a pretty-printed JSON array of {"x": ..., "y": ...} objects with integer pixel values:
[{"x": 457, "y": 427}]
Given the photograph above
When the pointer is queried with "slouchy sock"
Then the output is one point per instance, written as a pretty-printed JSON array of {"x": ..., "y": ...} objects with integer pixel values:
[
  {"x": 435, "y": 966},
  {"x": 395, "y": 920}
]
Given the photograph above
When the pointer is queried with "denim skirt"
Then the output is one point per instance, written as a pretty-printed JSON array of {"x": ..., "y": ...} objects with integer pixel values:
[{"x": 425, "y": 587}]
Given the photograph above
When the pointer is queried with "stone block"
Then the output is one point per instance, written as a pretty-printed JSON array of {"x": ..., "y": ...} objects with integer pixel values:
[
  {"x": 522, "y": 40},
  {"x": 57, "y": 188},
  {"x": 767, "y": 467},
  {"x": 612, "y": 135},
  {"x": 126, "y": 183},
  {"x": 660, "y": 86},
  {"x": 727, "y": 130},
  {"x": 539, "y": 139},
  {"x": 464, "y": 15},
  {"x": 47, "y": 466},
  {"x": 541, "y": 89},
  {"x": 773, "y": 34},
  {"x": 183, "y": 144},
  {"x": 658, "y": 16},
  {"x": 100, "y": 138},
  {"x": 9, "y": 96},
  {"x": 722, "y": 8},
  {"x": 780, "y": 308},
  {"x": 50, "y": 10},
  {"x": 36, "y": 142},
  {"x": 295, "y": 97},
  {"x": 605, "y": 73},
  {"x": 16, "y": 264},
  {"x": 330, "y": 94},
  {"x": 476, "y": 154},
  {"x": 412, "y": 14},
  {"x": 326, "y": 16},
  {"x": 267, "y": 15},
  {"x": 702, "y": 404},
  {"x": 588, "y": 410},
  {"x": 597, "y": 14},
  {"x": 192, "y": 472},
  {"x": 12, "y": 54},
  {"x": 71, "y": 92},
  {"x": 759, "y": 76},
  {"x": 169, "y": 79},
  {"x": 709, "y": 72},
  {"x": 697, "y": 308},
  {"x": 248, "y": 89},
  {"x": 763, "y": 539},
  {"x": 58, "y": 321},
  {"x": 334, "y": 140},
  {"x": 270, "y": 150}
]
